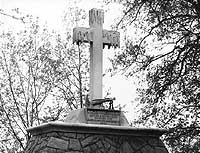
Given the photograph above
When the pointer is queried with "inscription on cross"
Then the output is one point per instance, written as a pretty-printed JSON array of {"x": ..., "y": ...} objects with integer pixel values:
[{"x": 98, "y": 38}]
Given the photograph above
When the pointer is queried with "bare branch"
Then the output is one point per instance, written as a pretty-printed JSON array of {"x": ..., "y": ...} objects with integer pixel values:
[
  {"x": 10, "y": 123},
  {"x": 12, "y": 16}
]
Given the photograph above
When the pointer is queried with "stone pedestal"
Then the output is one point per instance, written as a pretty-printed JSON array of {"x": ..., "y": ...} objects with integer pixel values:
[
  {"x": 60, "y": 137},
  {"x": 97, "y": 116}
]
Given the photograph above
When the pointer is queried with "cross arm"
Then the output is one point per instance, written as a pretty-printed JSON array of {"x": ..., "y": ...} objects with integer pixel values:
[
  {"x": 82, "y": 34},
  {"x": 110, "y": 38}
]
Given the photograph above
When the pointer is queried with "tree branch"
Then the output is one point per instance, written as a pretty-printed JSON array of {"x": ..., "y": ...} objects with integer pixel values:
[{"x": 16, "y": 18}]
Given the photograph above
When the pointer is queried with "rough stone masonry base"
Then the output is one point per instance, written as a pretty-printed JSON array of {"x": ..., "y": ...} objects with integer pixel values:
[{"x": 84, "y": 138}]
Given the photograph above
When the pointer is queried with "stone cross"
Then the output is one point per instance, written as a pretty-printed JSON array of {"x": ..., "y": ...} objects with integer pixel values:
[{"x": 98, "y": 38}]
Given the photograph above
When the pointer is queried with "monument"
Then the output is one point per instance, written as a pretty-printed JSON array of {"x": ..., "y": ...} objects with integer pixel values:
[
  {"x": 98, "y": 39},
  {"x": 95, "y": 129}
]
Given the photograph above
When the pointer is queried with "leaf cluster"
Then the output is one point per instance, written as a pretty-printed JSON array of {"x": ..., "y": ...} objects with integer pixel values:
[
  {"x": 167, "y": 51},
  {"x": 43, "y": 76}
]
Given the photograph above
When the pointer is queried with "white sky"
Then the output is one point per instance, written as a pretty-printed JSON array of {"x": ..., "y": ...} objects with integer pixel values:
[{"x": 52, "y": 11}]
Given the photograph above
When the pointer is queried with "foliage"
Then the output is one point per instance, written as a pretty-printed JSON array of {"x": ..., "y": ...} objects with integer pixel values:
[
  {"x": 16, "y": 16},
  {"x": 166, "y": 50},
  {"x": 42, "y": 77}
]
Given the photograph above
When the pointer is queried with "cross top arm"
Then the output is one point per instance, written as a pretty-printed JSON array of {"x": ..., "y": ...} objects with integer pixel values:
[
  {"x": 96, "y": 19},
  {"x": 82, "y": 34}
]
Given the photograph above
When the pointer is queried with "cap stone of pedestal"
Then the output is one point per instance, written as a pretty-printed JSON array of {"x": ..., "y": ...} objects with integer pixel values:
[{"x": 97, "y": 116}]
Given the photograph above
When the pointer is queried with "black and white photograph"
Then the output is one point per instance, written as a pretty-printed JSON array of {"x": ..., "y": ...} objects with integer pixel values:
[{"x": 99, "y": 76}]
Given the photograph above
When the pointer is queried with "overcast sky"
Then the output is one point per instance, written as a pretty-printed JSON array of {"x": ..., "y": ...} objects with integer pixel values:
[{"x": 52, "y": 11}]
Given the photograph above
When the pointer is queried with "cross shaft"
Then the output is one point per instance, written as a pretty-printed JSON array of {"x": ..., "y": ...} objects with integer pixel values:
[{"x": 98, "y": 38}]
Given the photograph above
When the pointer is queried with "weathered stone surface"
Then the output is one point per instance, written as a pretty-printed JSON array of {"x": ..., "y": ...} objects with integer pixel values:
[
  {"x": 36, "y": 148},
  {"x": 87, "y": 149},
  {"x": 89, "y": 140},
  {"x": 48, "y": 150},
  {"x": 73, "y": 152},
  {"x": 94, "y": 143},
  {"x": 106, "y": 145},
  {"x": 69, "y": 135},
  {"x": 58, "y": 143},
  {"x": 93, "y": 147},
  {"x": 126, "y": 148},
  {"x": 43, "y": 144},
  {"x": 74, "y": 144},
  {"x": 147, "y": 149},
  {"x": 81, "y": 136},
  {"x": 137, "y": 143},
  {"x": 114, "y": 150},
  {"x": 52, "y": 134},
  {"x": 95, "y": 139},
  {"x": 100, "y": 144},
  {"x": 111, "y": 141},
  {"x": 161, "y": 150},
  {"x": 153, "y": 141}
]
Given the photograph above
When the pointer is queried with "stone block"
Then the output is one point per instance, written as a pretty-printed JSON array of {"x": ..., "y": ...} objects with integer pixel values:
[
  {"x": 49, "y": 150},
  {"x": 111, "y": 141},
  {"x": 36, "y": 149},
  {"x": 43, "y": 151},
  {"x": 87, "y": 149},
  {"x": 147, "y": 149},
  {"x": 58, "y": 143},
  {"x": 74, "y": 144},
  {"x": 52, "y": 134},
  {"x": 153, "y": 141},
  {"x": 89, "y": 141},
  {"x": 93, "y": 148},
  {"x": 100, "y": 144},
  {"x": 73, "y": 152},
  {"x": 44, "y": 135},
  {"x": 60, "y": 151},
  {"x": 68, "y": 135},
  {"x": 137, "y": 143},
  {"x": 106, "y": 145},
  {"x": 126, "y": 148},
  {"x": 81, "y": 136},
  {"x": 43, "y": 144},
  {"x": 114, "y": 149},
  {"x": 161, "y": 150}
]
